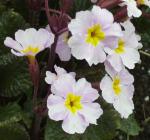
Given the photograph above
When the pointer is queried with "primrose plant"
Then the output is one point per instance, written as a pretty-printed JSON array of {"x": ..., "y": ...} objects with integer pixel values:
[{"x": 96, "y": 36}]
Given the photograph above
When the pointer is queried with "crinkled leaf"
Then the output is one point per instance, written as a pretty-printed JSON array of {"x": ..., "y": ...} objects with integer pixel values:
[
  {"x": 10, "y": 114},
  {"x": 13, "y": 131},
  {"x": 130, "y": 126}
]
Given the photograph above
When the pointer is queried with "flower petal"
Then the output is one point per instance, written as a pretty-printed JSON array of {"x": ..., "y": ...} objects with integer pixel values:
[
  {"x": 63, "y": 51},
  {"x": 9, "y": 42},
  {"x": 16, "y": 53},
  {"x": 63, "y": 85},
  {"x": 21, "y": 38},
  {"x": 74, "y": 124},
  {"x": 56, "y": 109},
  {"x": 126, "y": 77},
  {"x": 50, "y": 77},
  {"x": 116, "y": 62},
  {"x": 107, "y": 91},
  {"x": 98, "y": 56},
  {"x": 79, "y": 48},
  {"x": 124, "y": 104},
  {"x": 91, "y": 112},
  {"x": 60, "y": 71},
  {"x": 85, "y": 90},
  {"x": 130, "y": 57},
  {"x": 30, "y": 36},
  {"x": 107, "y": 19},
  {"x": 80, "y": 24},
  {"x": 44, "y": 38}
]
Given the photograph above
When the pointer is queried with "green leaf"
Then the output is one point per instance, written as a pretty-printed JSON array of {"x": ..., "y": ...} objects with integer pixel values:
[
  {"x": 7, "y": 29},
  {"x": 15, "y": 80},
  {"x": 10, "y": 114},
  {"x": 130, "y": 126},
  {"x": 81, "y": 5},
  {"x": 13, "y": 132}
]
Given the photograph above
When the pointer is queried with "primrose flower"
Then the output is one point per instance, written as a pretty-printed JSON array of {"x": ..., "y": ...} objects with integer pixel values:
[
  {"x": 132, "y": 8},
  {"x": 52, "y": 77},
  {"x": 62, "y": 48},
  {"x": 91, "y": 32},
  {"x": 73, "y": 102},
  {"x": 144, "y": 2},
  {"x": 29, "y": 42},
  {"x": 126, "y": 54},
  {"x": 118, "y": 90}
]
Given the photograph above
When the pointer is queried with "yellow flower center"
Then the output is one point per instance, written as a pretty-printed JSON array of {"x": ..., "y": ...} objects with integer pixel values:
[
  {"x": 73, "y": 102},
  {"x": 120, "y": 48},
  {"x": 30, "y": 49},
  {"x": 95, "y": 35},
  {"x": 116, "y": 85},
  {"x": 65, "y": 38},
  {"x": 141, "y": 2}
]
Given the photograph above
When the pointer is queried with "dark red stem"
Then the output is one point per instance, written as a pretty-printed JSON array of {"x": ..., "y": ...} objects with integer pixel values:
[
  {"x": 52, "y": 54},
  {"x": 108, "y": 3},
  {"x": 48, "y": 16},
  {"x": 35, "y": 76},
  {"x": 121, "y": 14}
]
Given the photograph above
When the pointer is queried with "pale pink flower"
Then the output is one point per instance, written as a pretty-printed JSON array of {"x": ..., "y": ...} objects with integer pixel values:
[
  {"x": 126, "y": 54},
  {"x": 29, "y": 42},
  {"x": 144, "y": 2},
  {"x": 132, "y": 9},
  {"x": 73, "y": 102},
  {"x": 91, "y": 32},
  {"x": 118, "y": 90}
]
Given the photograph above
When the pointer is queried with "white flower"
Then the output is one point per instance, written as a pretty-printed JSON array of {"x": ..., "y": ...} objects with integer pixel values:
[
  {"x": 126, "y": 54},
  {"x": 52, "y": 77},
  {"x": 118, "y": 90},
  {"x": 73, "y": 102},
  {"x": 29, "y": 42},
  {"x": 62, "y": 48},
  {"x": 132, "y": 8},
  {"x": 144, "y": 2},
  {"x": 91, "y": 32}
]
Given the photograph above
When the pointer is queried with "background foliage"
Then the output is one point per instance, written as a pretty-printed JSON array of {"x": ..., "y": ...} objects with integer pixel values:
[{"x": 16, "y": 115}]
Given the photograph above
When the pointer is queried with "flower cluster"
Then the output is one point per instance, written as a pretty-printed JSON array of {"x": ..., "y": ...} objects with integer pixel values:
[
  {"x": 97, "y": 39},
  {"x": 93, "y": 36},
  {"x": 92, "y": 31}
]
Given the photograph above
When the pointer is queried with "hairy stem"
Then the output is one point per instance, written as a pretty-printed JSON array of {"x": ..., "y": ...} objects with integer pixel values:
[
  {"x": 52, "y": 54},
  {"x": 48, "y": 16},
  {"x": 145, "y": 53},
  {"x": 35, "y": 75},
  {"x": 108, "y": 3},
  {"x": 58, "y": 12}
]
